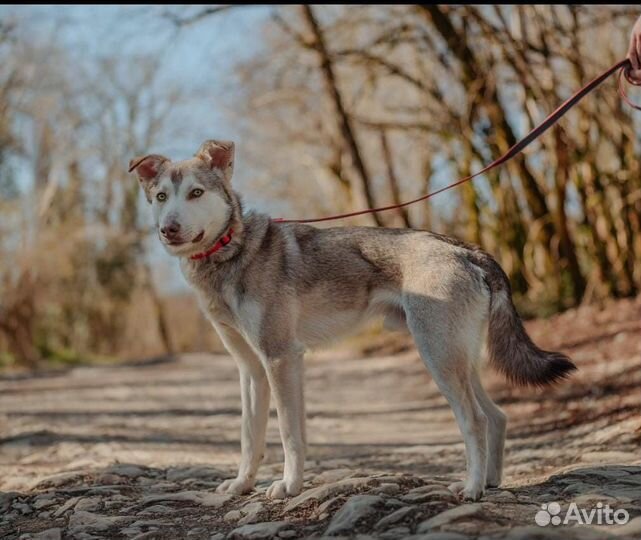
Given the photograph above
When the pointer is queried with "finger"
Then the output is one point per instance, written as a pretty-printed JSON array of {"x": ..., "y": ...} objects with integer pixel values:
[{"x": 635, "y": 75}]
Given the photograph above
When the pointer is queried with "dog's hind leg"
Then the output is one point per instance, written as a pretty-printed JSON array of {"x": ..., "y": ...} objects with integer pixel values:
[
  {"x": 443, "y": 345},
  {"x": 497, "y": 422}
]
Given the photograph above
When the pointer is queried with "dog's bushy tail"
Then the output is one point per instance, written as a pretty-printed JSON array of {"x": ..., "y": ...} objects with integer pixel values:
[{"x": 510, "y": 349}]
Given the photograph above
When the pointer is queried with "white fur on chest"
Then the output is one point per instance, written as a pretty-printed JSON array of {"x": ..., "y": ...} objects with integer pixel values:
[{"x": 227, "y": 307}]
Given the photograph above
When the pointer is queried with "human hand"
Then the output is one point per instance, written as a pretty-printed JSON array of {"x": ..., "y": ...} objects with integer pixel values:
[{"x": 634, "y": 52}]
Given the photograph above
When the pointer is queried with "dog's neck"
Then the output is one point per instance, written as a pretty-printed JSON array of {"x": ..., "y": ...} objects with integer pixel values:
[
  {"x": 221, "y": 243},
  {"x": 248, "y": 228}
]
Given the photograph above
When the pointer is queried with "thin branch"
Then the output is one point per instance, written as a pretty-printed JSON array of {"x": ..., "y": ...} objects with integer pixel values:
[{"x": 202, "y": 14}]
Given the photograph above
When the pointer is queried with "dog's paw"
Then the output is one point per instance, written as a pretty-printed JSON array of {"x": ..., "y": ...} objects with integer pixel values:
[
  {"x": 236, "y": 486},
  {"x": 465, "y": 492},
  {"x": 281, "y": 489},
  {"x": 494, "y": 480},
  {"x": 494, "y": 483}
]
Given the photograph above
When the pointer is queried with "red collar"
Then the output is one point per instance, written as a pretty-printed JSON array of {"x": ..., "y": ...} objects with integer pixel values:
[{"x": 222, "y": 242}]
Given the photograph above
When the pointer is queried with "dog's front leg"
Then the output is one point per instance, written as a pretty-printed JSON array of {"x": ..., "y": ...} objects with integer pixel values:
[
  {"x": 285, "y": 374},
  {"x": 254, "y": 388}
]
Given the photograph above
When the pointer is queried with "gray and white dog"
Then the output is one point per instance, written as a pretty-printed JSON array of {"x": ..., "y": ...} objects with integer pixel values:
[{"x": 273, "y": 290}]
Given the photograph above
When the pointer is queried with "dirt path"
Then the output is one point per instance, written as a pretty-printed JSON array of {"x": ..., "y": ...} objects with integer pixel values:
[{"x": 137, "y": 451}]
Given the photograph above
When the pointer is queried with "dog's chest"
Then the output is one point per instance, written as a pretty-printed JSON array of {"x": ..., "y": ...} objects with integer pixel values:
[
  {"x": 219, "y": 305},
  {"x": 216, "y": 297}
]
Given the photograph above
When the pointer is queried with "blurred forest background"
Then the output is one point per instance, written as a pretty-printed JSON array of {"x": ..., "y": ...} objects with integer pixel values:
[{"x": 333, "y": 108}]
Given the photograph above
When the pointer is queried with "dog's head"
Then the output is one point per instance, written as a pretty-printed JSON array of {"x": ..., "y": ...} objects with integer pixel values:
[{"x": 192, "y": 200}]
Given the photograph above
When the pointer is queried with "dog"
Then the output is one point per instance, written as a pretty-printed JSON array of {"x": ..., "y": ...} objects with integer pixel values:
[{"x": 272, "y": 290}]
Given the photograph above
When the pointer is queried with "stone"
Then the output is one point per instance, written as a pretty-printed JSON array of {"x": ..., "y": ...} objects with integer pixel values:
[
  {"x": 80, "y": 520},
  {"x": 127, "y": 470},
  {"x": 394, "y": 517},
  {"x": 88, "y": 504},
  {"x": 577, "y": 488},
  {"x": 131, "y": 532},
  {"x": 395, "y": 533},
  {"x": 332, "y": 476},
  {"x": 23, "y": 508},
  {"x": 59, "y": 479},
  {"x": 148, "y": 535},
  {"x": 258, "y": 531},
  {"x": 217, "y": 536},
  {"x": 6, "y": 499},
  {"x": 179, "y": 474},
  {"x": 440, "y": 536},
  {"x": 389, "y": 488},
  {"x": 67, "y": 506},
  {"x": 233, "y": 515},
  {"x": 49, "y": 534},
  {"x": 631, "y": 528},
  {"x": 43, "y": 501},
  {"x": 394, "y": 503},
  {"x": 355, "y": 509},
  {"x": 156, "y": 509},
  {"x": 324, "y": 507},
  {"x": 204, "y": 498},
  {"x": 110, "y": 505},
  {"x": 323, "y": 492},
  {"x": 433, "y": 495},
  {"x": 623, "y": 493},
  {"x": 534, "y": 532},
  {"x": 103, "y": 490},
  {"x": 448, "y": 516},
  {"x": 427, "y": 488},
  {"x": 501, "y": 496},
  {"x": 148, "y": 523},
  {"x": 111, "y": 478},
  {"x": 588, "y": 500},
  {"x": 251, "y": 513},
  {"x": 10, "y": 516}
]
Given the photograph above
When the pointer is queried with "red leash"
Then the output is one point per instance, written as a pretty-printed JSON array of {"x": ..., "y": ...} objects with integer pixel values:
[{"x": 624, "y": 67}]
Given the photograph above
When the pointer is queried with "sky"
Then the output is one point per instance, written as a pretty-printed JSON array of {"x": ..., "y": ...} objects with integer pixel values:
[{"x": 199, "y": 55}]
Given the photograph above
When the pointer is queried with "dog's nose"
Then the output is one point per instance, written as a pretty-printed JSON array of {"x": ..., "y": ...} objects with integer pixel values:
[{"x": 172, "y": 229}]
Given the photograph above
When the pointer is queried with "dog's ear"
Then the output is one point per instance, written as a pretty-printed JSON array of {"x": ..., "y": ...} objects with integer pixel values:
[
  {"x": 148, "y": 168},
  {"x": 218, "y": 155}
]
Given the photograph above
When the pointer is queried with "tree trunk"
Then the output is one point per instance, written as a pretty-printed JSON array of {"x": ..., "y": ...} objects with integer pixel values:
[
  {"x": 344, "y": 122},
  {"x": 567, "y": 244},
  {"x": 161, "y": 317},
  {"x": 392, "y": 179}
]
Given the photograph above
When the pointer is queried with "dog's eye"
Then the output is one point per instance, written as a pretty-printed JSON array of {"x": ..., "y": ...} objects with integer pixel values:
[
  {"x": 161, "y": 197},
  {"x": 196, "y": 193}
]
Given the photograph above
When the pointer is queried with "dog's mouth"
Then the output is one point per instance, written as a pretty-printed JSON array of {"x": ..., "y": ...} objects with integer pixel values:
[{"x": 180, "y": 242}]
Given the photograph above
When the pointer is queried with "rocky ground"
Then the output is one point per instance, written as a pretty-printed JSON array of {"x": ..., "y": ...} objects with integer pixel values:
[{"x": 136, "y": 451}]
